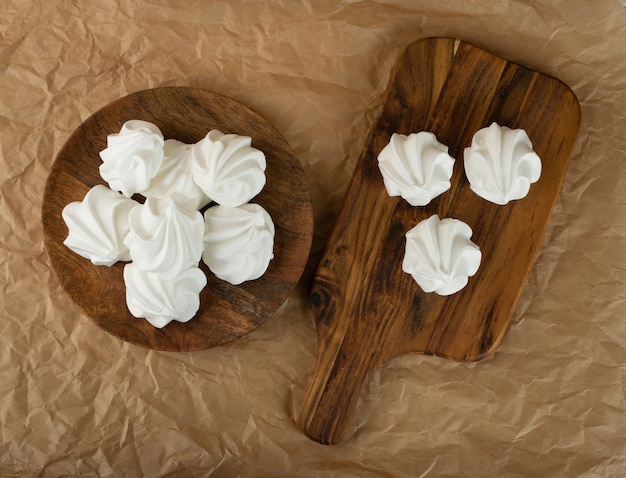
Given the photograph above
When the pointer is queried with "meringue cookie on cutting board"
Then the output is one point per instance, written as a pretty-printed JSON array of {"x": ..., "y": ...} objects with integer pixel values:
[{"x": 367, "y": 309}]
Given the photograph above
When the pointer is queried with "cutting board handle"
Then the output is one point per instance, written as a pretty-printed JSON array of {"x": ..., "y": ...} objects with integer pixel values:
[
  {"x": 341, "y": 370},
  {"x": 330, "y": 401}
]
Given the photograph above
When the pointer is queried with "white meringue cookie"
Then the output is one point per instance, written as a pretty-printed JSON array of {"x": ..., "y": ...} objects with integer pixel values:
[
  {"x": 97, "y": 226},
  {"x": 165, "y": 237},
  {"x": 238, "y": 242},
  {"x": 132, "y": 157},
  {"x": 501, "y": 165},
  {"x": 416, "y": 167},
  {"x": 174, "y": 176},
  {"x": 227, "y": 168},
  {"x": 440, "y": 256},
  {"x": 149, "y": 295}
]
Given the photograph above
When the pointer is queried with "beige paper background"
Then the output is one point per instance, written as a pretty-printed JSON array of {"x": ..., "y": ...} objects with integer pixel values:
[{"x": 75, "y": 400}]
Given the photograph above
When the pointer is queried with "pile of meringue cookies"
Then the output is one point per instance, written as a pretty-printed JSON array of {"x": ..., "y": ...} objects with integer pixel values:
[
  {"x": 500, "y": 166},
  {"x": 164, "y": 238}
]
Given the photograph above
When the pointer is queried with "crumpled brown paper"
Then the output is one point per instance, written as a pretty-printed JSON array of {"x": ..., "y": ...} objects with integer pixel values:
[{"x": 75, "y": 400}]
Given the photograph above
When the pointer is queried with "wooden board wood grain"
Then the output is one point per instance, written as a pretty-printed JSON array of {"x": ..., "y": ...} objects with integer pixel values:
[
  {"x": 367, "y": 310},
  {"x": 226, "y": 312}
]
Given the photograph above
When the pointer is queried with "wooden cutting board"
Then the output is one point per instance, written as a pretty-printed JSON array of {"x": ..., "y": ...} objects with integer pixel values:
[{"x": 367, "y": 310}]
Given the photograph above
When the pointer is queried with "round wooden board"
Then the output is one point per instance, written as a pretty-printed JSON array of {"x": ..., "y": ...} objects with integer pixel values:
[{"x": 226, "y": 312}]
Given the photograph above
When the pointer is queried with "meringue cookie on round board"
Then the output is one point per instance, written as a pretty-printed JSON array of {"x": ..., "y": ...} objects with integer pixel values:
[
  {"x": 367, "y": 309},
  {"x": 98, "y": 225}
]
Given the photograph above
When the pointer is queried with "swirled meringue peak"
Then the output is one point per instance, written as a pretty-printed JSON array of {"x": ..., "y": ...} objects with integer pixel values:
[
  {"x": 227, "y": 168},
  {"x": 132, "y": 157},
  {"x": 174, "y": 176},
  {"x": 416, "y": 167},
  {"x": 98, "y": 224},
  {"x": 440, "y": 256},
  {"x": 238, "y": 242},
  {"x": 500, "y": 165},
  {"x": 165, "y": 236},
  {"x": 159, "y": 300}
]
